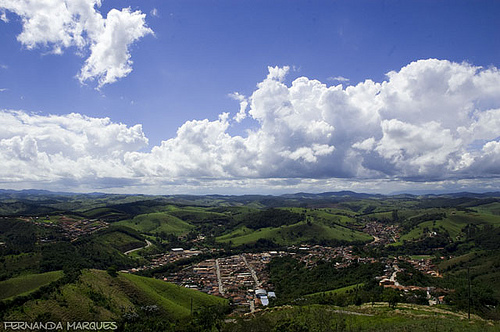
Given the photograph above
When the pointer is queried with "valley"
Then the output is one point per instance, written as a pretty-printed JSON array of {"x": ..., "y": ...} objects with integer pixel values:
[{"x": 203, "y": 262}]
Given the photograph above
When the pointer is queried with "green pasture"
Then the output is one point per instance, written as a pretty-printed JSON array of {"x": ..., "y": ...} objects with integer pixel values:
[
  {"x": 338, "y": 290},
  {"x": 26, "y": 284},
  {"x": 158, "y": 222}
]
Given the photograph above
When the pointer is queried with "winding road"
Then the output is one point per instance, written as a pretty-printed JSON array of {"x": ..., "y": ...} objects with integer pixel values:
[{"x": 131, "y": 251}]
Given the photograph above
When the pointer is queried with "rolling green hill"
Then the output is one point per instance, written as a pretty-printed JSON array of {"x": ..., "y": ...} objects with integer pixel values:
[
  {"x": 106, "y": 213},
  {"x": 158, "y": 222},
  {"x": 96, "y": 296},
  {"x": 122, "y": 239},
  {"x": 172, "y": 298},
  {"x": 294, "y": 234},
  {"x": 26, "y": 284},
  {"x": 453, "y": 223}
]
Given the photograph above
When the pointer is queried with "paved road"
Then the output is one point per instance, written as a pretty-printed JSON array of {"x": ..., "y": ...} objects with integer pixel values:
[
  {"x": 131, "y": 251},
  {"x": 393, "y": 278},
  {"x": 219, "y": 279},
  {"x": 254, "y": 275}
]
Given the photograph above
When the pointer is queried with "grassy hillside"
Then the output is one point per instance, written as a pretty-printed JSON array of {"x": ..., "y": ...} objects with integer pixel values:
[
  {"x": 97, "y": 296},
  {"x": 172, "y": 298},
  {"x": 368, "y": 317},
  {"x": 338, "y": 290},
  {"x": 453, "y": 223},
  {"x": 158, "y": 222},
  {"x": 122, "y": 239},
  {"x": 491, "y": 208},
  {"x": 26, "y": 284},
  {"x": 484, "y": 268},
  {"x": 105, "y": 213},
  {"x": 293, "y": 234},
  {"x": 197, "y": 215}
]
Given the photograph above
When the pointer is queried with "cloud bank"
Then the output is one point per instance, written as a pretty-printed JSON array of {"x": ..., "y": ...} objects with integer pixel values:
[
  {"x": 433, "y": 120},
  {"x": 60, "y": 24}
]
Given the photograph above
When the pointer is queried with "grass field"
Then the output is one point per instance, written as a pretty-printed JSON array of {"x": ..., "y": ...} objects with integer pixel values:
[
  {"x": 338, "y": 290},
  {"x": 26, "y": 284},
  {"x": 152, "y": 223}
]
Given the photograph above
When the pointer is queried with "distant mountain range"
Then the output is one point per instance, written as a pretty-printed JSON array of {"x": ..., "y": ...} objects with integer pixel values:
[{"x": 300, "y": 195}]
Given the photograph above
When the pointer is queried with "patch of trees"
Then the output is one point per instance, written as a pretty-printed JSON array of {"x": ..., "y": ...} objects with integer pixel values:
[
  {"x": 413, "y": 277},
  {"x": 259, "y": 245},
  {"x": 487, "y": 238},
  {"x": 369, "y": 209},
  {"x": 425, "y": 246},
  {"x": 88, "y": 254},
  {"x": 24, "y": 208},
  {"x": 202, "y": 217},
  {"x": 272, "y": 218},
  {"x": 140, "y": 207},
  {"x": 293, "y": 279},
  {"x": 19, "y": 236}
]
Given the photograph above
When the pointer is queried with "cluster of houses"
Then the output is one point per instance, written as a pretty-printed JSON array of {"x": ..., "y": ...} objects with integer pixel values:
[
  {"x": 241, "y": 278},
  {"x": 424, "y": 265},
  {"x": 166, "y": 258},
  {"x": 74, "y": 229},
  {"x": 201, "y": 276},
  {"x": 311, "y": 255},
  {"x": 69, "y": 227},
  {"x": 382, "y": 233}
]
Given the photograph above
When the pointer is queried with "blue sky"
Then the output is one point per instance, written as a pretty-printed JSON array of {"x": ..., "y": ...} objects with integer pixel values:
[{"x": 190, "y": 56}]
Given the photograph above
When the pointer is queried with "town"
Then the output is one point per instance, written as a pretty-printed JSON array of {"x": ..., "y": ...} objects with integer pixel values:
[{"x": 244, "y": 278}]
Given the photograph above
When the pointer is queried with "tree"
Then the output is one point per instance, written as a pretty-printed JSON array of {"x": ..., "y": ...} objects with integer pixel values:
[
  {"x": 112, "y": 271},
  {"x": 391, "y": 296}
]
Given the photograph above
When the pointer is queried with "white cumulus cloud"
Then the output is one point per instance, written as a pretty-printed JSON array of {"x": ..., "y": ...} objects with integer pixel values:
[
  {"x": 60, "y": 24},
  {"x": 424, "y": 122},
  {"x": 73, "y": 146},
  {"x": 433, "y": 121}
]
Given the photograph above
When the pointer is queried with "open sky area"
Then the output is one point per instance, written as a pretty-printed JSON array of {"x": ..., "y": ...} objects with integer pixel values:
[{"x": 235, "y": 97}]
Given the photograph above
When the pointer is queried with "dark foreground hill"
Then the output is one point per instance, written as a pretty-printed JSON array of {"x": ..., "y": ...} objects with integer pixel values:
[{"x": 99, "y": 296}]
